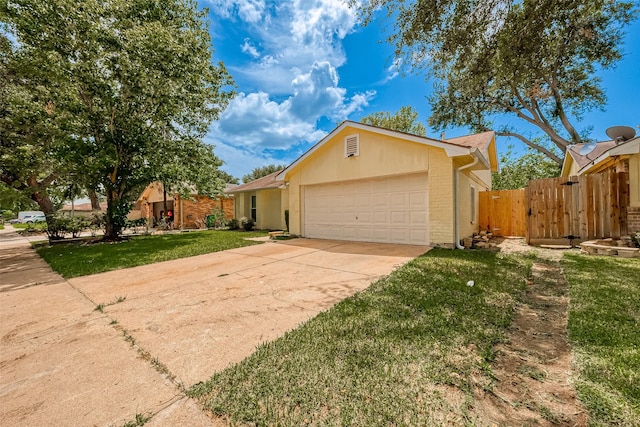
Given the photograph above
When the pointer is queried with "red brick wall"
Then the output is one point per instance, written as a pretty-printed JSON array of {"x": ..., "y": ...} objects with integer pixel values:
[
  {"x": 633, "y": 219},
  {"x": 197, "y": 209}
]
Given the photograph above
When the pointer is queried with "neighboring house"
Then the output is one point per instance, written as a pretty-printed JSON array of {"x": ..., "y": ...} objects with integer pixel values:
[
  {"x": 82, "y": 208},
  {"x": 619, "y": 156},
  {"x": 187, "y": 212},
  {"x": 264, "y": 199},
  {"x": 365, "y": 183}
]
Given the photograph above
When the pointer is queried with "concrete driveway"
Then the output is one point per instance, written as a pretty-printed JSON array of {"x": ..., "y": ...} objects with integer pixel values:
[{"x": 163, "y": 328}]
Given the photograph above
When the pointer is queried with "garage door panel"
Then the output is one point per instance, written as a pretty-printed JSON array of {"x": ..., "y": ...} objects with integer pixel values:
[
  {"x": 399, "y": 218},
  {"x": 381, "y": 202},
  {"x": 389, "y": 210},
  {"x": 418, "y": 200},
  {"x": 417, "y": 218}
]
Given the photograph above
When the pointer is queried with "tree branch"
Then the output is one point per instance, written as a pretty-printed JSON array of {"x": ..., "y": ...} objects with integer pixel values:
[
  {"x": 533, "y": 145},
  {"x": 575, "y": 136}
]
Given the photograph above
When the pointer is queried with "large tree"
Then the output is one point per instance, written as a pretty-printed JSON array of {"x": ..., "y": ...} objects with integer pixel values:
[
  {"x": 31, "y": 128},
  {"x": 403, "y": 120},
  {"x": 262, "y": 171},
  {"x": 138, "y": 77},
  {"x": 534, "y": 59},
  {"x": 516, "y": 172}
]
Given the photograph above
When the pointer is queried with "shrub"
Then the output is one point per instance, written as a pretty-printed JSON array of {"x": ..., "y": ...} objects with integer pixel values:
[
  {"x": 76, "y": 225},
  {"x": 233, "y": 224},
  {"x": 635, "y": 238},
  {"x": 216, "y": 219},
  {"x": 249, "y": 224},
  {"x": 8, "y": 214},
  {"x": 57, "y": 226},
  {"x": 96, "y": 222}
]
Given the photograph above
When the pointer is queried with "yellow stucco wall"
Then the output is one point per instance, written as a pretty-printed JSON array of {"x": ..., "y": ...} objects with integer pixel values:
[
  {"x": 269, "y": 209},
  {"x": 634, "y": 180},
  {"x": 242, "y": 205},
  {"x": 469, "y": 223},
  {"x": 440, "y": 198},
  {"x": 380, "y": 155}
]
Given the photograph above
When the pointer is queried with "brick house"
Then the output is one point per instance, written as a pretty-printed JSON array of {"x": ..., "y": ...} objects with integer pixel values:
[{"x": 186, "y": 212}]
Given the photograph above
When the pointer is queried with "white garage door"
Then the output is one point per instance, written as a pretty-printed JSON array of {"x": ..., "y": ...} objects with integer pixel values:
[{"x": 387, "y": 210}]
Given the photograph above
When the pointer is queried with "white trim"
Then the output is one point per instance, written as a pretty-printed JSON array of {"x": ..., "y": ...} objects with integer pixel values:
[{"x": 473, "y": 195}]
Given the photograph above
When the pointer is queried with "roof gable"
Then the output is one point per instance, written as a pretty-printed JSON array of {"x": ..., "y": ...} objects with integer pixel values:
[{"x": 480, "y": 143}]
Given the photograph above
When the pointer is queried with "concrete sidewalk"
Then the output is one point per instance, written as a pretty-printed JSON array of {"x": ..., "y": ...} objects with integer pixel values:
[{"x": 63, "y": 363}]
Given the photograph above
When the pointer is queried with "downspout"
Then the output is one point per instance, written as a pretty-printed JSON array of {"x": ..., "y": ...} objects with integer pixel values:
[{"x": 456, "y": 215}]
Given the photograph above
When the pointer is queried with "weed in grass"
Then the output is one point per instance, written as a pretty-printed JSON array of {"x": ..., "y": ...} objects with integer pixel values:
[
  {"x": 140, "y": 420},
  {"x": 548, "y": 415},
  {"x": 533, "y": 372},
  {"x": 129, "y": 338}
]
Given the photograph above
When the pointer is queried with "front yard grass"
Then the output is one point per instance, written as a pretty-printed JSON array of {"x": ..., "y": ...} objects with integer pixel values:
[
  {"x": 72, "y": 260},
  {"x": 409, "y": 350},
  {"x": 604, "y": 330}
]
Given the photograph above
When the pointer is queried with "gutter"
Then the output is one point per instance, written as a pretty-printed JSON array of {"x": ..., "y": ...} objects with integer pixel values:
[{"x": 456, "y": 215}]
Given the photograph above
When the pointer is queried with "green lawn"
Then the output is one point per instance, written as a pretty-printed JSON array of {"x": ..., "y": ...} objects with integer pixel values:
[
  {"x": 406, "y": 351},
  {"x": 72, "y": 260},
  {"x": 604, "y": 330},
  {"x": 39, "y": 226}
]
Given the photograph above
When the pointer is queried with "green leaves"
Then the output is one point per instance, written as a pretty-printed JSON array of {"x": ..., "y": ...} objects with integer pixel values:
[
  {"x": 533, "y": 59},
  {"x": 404, "y": 120},
  {"x": 259, "y": 172},
  {"x": 516, "y": 172},
  {"x": 137, "y": 79}
]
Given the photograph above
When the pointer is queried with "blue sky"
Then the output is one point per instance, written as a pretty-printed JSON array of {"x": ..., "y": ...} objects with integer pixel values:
[{"x": 303, "y": 66}]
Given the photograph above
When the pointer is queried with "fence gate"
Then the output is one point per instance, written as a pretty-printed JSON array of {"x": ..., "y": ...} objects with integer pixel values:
[
  {"x": 571, "y": 210},
  {"x": 502, "y": 212}
]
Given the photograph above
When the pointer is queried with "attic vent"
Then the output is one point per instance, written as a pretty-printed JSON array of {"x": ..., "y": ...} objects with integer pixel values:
[{"x": 352, "y": 145}]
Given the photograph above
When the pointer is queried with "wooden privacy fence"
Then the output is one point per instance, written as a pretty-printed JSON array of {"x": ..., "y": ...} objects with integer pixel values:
[
  {"x": 502, "y": 212},
  {"x": 559, "y": 210},
  {"x": 577, "y": 208}
]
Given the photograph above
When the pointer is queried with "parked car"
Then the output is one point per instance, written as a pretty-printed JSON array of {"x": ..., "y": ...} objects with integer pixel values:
[
  {"x": 14, "y": 221},
  {"x": 23, "y": 216},
  {"x": 34, "y": 218}
]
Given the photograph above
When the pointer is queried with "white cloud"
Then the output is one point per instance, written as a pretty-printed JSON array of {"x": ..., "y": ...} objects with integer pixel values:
[
  {"x": 250, "y": 11},
  {"x": 250, "y": 49},
  {"x": 295, "y": 49},
  {"x": 392, "y": 71},
  {"x": 256, "y": 122}
]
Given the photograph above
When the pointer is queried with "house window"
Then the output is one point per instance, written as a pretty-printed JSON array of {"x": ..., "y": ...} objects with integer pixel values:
[
  {"x": 352, "y": 145},
  {"x": 473, "y": 204},
  {"x": 254, "y": 211}
]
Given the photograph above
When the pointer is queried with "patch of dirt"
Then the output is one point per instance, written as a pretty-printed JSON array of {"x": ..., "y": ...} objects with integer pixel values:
[{"x": 532, "y": 370}]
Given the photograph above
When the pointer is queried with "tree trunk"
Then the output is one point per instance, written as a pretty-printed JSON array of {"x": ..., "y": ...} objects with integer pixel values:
[
  {"x": 40, "y": 196},
  {"x": 95, "y": 200}
]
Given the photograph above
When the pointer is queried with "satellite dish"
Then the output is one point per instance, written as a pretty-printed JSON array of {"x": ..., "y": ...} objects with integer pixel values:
[
  {"x": 621, "y": 133},
  {"x": 588, "y": 148}
]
